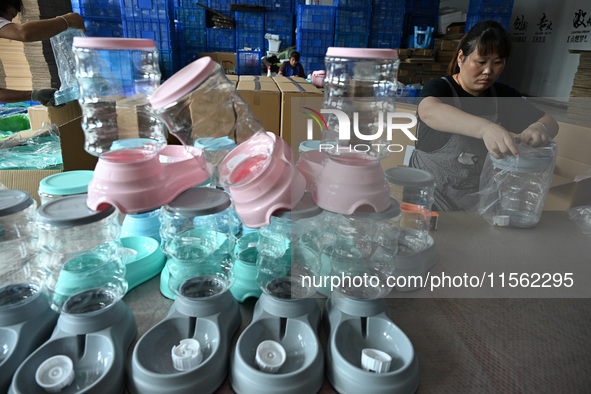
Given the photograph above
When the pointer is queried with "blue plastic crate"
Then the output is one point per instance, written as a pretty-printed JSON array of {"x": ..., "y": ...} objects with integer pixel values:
[
  {"x": 314, "y": 42},
  {"x": 277, "y": 22},
  {"x": 93, "y": 8},
  {"x": 312, "y": 63},
  {"x": 490, "y": 6},
  {"x": 191, "y": 36},
  {"x": 279, "y": 5},
  {"x": 315, "y": 17},
  {"x": 352, "y": 20},
  {"x": 189, "y": 54},
  {"x": 249, "y": 20},
  {"x": 221, "y": 40},
  {"x": 250, "y": 39},
  {"x": 191, "y": 3},
  {"x": 422, "y": 7},
  {"x": 222, "y": 6},
  {"x": 351, "y": 40},
  {"x": 384, "y": 40},
  {"x": 248, "y": 62},
  {"x": 260, "y": 3},
  {"x": 472, "y": 19},
  {"x": 407, "y": 95},
  {"x": 286, "y": 40},
  {"x": 167, "y": 64},
  {"x": 191, "y": 17},
  {"x": 386, "y": 23},
  {"x": 161, "y": 31},
  {"x": 147, "y": 9},
  {"x": 350, "y": 3},
  {"x": 103, "y": 27}
]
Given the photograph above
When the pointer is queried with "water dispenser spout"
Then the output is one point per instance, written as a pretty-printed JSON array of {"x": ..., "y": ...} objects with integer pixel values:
[
  {"x": 187, "y": 354},
  {"x": 55, "y": 373},
  {"x": 270, "y": 356},
  {"x": 374, "y": 360}
]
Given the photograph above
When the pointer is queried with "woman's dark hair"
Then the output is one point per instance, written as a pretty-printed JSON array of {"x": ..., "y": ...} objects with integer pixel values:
[
  {"x": 295, "y": 55},
  {"x": 17, "y": 4},
  {"x": 487, "y": 37}
]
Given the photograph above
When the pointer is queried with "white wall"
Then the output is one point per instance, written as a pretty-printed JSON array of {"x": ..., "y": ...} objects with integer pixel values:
[{"x": 541, "y": 69}]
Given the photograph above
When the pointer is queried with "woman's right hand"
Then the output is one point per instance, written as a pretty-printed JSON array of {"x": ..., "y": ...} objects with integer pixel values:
[
  {"x": 498, "y": 141},
  {"x": 75, "y": 20}
]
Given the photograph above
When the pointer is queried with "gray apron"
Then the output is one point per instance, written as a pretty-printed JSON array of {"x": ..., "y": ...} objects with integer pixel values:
[{"x": 457, "y": 165}]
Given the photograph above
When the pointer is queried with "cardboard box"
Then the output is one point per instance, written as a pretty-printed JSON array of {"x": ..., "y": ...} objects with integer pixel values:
[
  {"x": 283, "y": 79},
  {"x": 573, "y": 159},
  {"x": 264, "y": 100},
  {"x": 445, "y": 45},
  {"x": 226, "y": 59},
  {"x": 445, "y": 19},
  {"x": 59, "y": 116},
  {"x": 295, "y": 98},
  {"x": 455, "y": 28},
  {"x": 74, "y": 157},
  {"x": 260, "y": 78}
]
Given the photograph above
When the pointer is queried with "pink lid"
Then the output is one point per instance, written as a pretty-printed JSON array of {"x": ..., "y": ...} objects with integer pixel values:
[
  {"x": 182, "y": 82},
  {"x": 362, "y": 53},
  {"x": 114, "y": 43}
]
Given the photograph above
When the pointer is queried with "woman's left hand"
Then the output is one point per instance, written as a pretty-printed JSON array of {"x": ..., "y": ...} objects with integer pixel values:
[{"x": 534, "y": 135}]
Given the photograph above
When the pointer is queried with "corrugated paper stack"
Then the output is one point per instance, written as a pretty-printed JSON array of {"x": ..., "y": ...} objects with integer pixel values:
[
  {"x": 31, "y": 65},
  {"x": 579, "y": 103}
]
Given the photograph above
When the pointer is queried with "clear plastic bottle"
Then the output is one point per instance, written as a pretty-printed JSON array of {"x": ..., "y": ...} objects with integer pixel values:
[
  {"x": 361, "y": 83},
  {"x": 66, "y": 65},
  {"x": 117, "y": 76},
  {"x": 200, "y": 102},
  {"x": 518, "y": 186},
  {"x": 413, "y": 189},
  {"x": 362, "y": 250},
  {"x": 81, "y": 254},
  {"x": 197, "y": 233},
  {"x": 288, "y": 260},
  {"x": 19, "y": 276}
]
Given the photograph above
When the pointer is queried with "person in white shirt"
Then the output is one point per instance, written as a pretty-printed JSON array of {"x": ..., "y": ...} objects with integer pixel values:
[{"x": 29, "y": 32}]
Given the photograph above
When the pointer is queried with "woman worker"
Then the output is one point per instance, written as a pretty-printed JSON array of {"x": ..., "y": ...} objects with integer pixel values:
[
  {"x": 464, "y": 115},
  {"x": 28, "y": 32}
]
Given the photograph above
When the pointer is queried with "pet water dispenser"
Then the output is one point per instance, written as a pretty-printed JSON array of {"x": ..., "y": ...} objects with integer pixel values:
[
  {"x": 188, "y": 351},
  {"x": 414, "y": 189},
  {"x": 26, "y": 319},
  {"x": 279, "y": 352},
  {"x": 136, "y": 171},
  {"x": 83, "y": 262}
]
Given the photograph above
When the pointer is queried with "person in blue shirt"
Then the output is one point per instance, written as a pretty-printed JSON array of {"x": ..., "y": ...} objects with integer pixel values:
[{"x": 293, "y": 68}]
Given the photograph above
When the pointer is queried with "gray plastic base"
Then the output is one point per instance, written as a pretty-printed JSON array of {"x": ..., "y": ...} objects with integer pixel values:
[
  {"x": 293, "y": 324},
  {"x": 210, "y": 320},
  {"x": 355, "y": 324},
  {"x": 410, "y": 266},
  {"x": 97, "y": 342},
  {"x": 23, "y": 328}
]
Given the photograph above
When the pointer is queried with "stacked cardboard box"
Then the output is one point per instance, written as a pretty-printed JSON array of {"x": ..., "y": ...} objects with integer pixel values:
[
  {"x": 419, "y": 66},
  {"x": 263, "y": 97},
  {"x": 579, "y": 103}
]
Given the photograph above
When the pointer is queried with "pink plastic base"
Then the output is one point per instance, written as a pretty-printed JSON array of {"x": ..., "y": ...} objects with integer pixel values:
[
  {"x": 344, "y": 185},
  {"x": 147, "y": 185},
  {"x": 278, "y": 186}
]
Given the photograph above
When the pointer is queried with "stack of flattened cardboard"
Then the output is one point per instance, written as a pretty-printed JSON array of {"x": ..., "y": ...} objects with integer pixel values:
[
  {"x": 579, "y": 104},
  {"x": 14, "y": 70},
  {"x": 418, "y": 66}
]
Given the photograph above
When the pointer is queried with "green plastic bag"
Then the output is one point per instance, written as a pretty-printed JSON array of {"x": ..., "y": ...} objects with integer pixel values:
[{"x": 14, "y": 123}]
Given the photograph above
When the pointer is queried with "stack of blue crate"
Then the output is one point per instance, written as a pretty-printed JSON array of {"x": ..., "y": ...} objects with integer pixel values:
[
  {"x": 315, "y": 33},
  {"x": 387, "y": 18},
  {"x": 280, "y": 24},
  {"x": 153, "y": 19},
  {"x": 285, "y": 6},
  {"x": 250, "y": 29},
  {"x": 101, "y": 18},
  {"x": 221, "y": 40},
  {"x": 496, "y": 10},
  {"x": 352, "y": 18},
  {"x": 190, "y": 28},
  {"x": 248, "y": 62},
  {"x": 420, "y": 14}
]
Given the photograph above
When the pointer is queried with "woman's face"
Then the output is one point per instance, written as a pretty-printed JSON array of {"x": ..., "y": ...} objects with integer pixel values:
[{"x": 478, "y": 73}]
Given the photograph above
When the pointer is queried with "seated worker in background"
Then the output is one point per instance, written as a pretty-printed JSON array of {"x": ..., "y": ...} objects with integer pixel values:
[
  {"x": 293, "y": 68},
  {"x": 28, "y": 32},
  {"x": 457, "y": 131}
]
